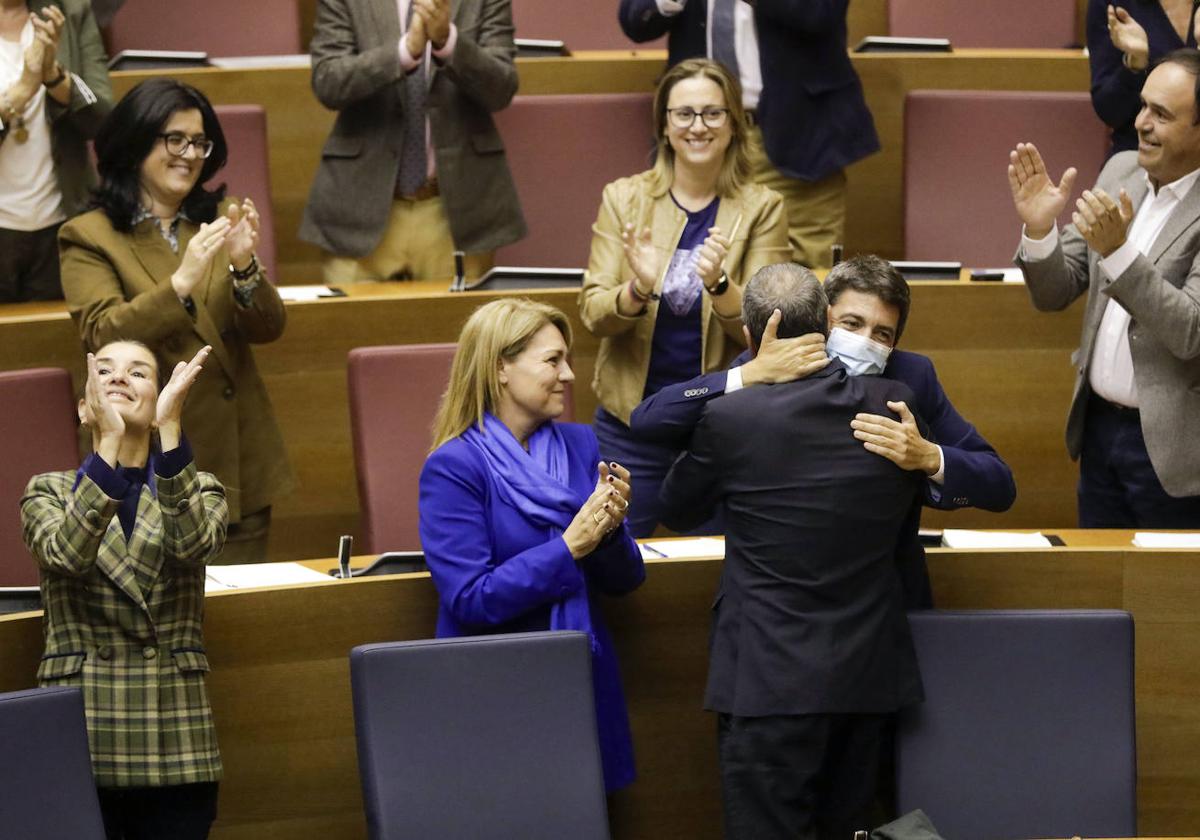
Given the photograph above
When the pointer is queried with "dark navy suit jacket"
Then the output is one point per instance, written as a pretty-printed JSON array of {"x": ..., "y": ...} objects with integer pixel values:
[
  {"x": 975, "y": 475},
  {"x": 812, "y": 112},
  {"x": 810, "y": 617},
  {"x": 496, "y": 571}
]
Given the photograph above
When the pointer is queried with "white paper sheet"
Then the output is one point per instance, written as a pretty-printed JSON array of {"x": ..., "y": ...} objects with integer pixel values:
[
  {"x": 676, "y": 549},
  {"x": 1143, "y": 539},
  {"x": 305, "y": 292},
  {"x": 960, "y": 538},
  {"x": 251, "y": 575}
]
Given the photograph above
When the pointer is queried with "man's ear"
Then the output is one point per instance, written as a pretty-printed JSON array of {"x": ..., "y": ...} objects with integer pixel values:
[{"x": 750, "y": 343}]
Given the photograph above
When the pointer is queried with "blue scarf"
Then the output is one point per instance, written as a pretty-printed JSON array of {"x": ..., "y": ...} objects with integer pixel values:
[{"x": 538, "y": 485}]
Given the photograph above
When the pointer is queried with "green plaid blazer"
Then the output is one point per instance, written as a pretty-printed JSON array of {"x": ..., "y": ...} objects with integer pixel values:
[{"x": 123, "y": 620}]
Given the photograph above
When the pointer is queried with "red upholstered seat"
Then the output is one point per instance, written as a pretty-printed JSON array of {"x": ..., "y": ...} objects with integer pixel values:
[
  {"x": 581, "y": 24},
  {"x": 247, "y": 173},
  {"x": 217, "y": 27},
  {"x": 562, "y": 151},
  {"x": 37, "y": 428},
  {"x": 957, "y": 202},
  {"x": 394, "y": 395},
  {"x": 1046, "y": 24}
]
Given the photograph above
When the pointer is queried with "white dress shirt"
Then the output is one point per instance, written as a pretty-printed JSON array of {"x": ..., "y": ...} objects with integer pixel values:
[{"x": 1110, "y": 373}]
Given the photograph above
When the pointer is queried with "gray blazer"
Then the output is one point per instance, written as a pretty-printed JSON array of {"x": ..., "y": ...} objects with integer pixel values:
[
  {"x": 356, "y": 71},
  {"x": 1161, "y": 291}
]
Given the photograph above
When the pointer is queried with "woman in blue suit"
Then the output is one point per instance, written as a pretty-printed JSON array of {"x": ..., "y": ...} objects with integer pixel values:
[{"x": 521, "y": 523}]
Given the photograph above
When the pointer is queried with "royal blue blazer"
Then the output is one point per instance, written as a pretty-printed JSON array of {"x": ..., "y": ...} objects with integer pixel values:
[{"x": 496, "y": 571}]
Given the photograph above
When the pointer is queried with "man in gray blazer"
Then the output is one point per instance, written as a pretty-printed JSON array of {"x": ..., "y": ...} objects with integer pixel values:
[
  {"x": 1134, "y": 247},
  {"x": 414, "y": 168}
]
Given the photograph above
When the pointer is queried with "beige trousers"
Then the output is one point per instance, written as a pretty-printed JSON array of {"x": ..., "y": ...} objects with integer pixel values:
[
  {"x": 416, "y": 245},
  {"x": 816, "y": 210}
]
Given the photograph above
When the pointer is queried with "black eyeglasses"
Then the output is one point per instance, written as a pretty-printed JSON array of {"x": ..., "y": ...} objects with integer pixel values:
[
  {"x": 685, "y": 117},
  {"x": 177, "y": 144}
]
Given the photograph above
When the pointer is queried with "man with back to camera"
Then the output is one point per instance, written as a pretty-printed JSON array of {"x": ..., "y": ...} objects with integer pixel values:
[
  {"x": 868, "y": 308},
  {"x": 810, "y": 650},
  {"x": 799, "y": 88},
  {"x": 1134, "y": 248},
  {"x": 414, "y": 167}
]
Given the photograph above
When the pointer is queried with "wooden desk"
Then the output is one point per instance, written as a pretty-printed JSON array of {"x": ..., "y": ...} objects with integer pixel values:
[
  {"x": 281, "y": 693},
  {"x": 1005, "y": 366},
  {"x": 298, "y": 124}
]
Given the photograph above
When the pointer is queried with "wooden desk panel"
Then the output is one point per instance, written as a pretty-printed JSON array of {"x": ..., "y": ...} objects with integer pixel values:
[
  {"x": 298, "y": 124},
  {"x": 281, "y": 699},
  {"x": 1005, "y": 367}
]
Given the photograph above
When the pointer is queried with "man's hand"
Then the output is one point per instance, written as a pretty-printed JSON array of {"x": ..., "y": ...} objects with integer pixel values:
[
  {"x": 1101, "y": 222},
  {"x": 900, "y": 442},
  {"x": 784, "y": 359},
  {"x": 416, "y": 39},
  {"x": 436, "y": 16},
  {"x": 1037, "y": 199}
]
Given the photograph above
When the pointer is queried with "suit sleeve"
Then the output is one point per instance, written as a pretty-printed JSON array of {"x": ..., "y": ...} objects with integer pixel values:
[
  {"x": 669, "y": 416},
  {"x": 482, "y": 68},
  {"x": 96, "y": 298},
  {"x": 642, "y": 21},
  {"x": 604, "y": 282},
  {"x": 1170, "y": 314},
  {"x": 264, "y": 319},
  {"x": 91, "y": 92},
  {"x": 1055, "y": 282},
  {"x": 478, "y": 588},
  {"x": 975, "y": 475},
  {"x": 341, "y": 75},
  {"x": 691, "y": 490},
  {"x": 63, "y": 528},
  {"x": 195, "y": 516},
  {"x": 1116, "y": 91}
]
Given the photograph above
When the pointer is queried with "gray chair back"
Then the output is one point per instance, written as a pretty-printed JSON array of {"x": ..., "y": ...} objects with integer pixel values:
[
  {"x": 1027, "y": 729},
  {"x": 47, "y": 791},
  {"x": 479, "y": 737}
]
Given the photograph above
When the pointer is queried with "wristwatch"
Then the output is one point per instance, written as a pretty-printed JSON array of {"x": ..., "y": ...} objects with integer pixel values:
[
  {"x": 57, "y": 80},
  {"x": 720, "y": 287}
]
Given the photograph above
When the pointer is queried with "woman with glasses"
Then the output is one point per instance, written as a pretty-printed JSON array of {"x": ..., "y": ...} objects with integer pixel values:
[
  {"x": 671, "y": 249},
  {"x": 163, "y": 260}
]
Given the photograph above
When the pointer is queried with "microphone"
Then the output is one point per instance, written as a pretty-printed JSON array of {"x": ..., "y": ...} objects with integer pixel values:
[
  {"x": 345, "y": 547},
  {"x": 460, "y": 274}
]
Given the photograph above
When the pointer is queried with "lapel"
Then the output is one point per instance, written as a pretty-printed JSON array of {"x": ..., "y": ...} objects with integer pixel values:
[
  {"x": 113, "y": 549},
  {"x": 1185, "y": 215}
]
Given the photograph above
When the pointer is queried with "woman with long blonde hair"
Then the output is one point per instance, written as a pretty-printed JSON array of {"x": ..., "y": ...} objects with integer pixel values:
[{"x": 521, "y": 523}]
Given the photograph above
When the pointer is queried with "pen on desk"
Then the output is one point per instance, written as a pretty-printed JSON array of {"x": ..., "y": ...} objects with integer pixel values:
[{"x": 652, "y": 550}]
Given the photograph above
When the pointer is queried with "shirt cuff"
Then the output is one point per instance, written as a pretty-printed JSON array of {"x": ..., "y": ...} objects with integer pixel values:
[
  {"x": 170, "y": 464},
  {"x": 1115, "y": 264},
  {"x": 105, "y": 477},
  {"x": 670, "y": 8},
  {"x": 1039, "y": 249},
  {"x": 939, "y": 477},
  {"x": 733, "y": 380},
  {"x": 447, "y": 49},
  {"x": 407, "y": 62}
]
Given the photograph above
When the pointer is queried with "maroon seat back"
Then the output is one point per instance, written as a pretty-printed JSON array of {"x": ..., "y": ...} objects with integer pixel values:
[
  {"x": 217, "y": 27},
  {"x": 37, "y": 428},
  {"x": 957, "y": 202},
  {"x": 562, "y": 151},
  {"x": 1045, "y": 24},
  {"x": 581, "y": 25},
  {"x": 394, "y": 396},
  {"x": 247, "y": 173}
]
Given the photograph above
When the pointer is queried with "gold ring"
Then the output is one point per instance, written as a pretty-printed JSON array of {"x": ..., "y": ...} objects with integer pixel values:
[
  {"x": 597, "y": 516},
  {"x": 624, "y": 503}
]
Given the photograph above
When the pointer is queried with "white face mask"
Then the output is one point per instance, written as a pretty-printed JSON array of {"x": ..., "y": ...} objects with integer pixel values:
[{"x": 859, "y": 354}]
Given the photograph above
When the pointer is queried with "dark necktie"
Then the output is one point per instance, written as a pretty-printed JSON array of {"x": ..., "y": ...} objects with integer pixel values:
[
  {"x": 414, "y": 164},
  {"x": 723, "y": 32}
]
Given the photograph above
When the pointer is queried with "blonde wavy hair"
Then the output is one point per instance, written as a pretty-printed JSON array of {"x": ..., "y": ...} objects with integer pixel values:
[
  {"x": 495, "y": 332},
  {"x": 735, "y": 171}
]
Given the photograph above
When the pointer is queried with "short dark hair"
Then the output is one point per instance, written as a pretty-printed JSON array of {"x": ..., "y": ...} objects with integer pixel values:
[
  {"x": 1189, "y": 59},
  {"x": 870, "y": 275},
  {"x": 794, "y": 291},
  {"x": 128, "y": 135}
]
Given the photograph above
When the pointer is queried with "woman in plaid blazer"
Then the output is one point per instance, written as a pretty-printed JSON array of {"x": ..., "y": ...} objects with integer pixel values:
[{"x": 122, "y": 545}]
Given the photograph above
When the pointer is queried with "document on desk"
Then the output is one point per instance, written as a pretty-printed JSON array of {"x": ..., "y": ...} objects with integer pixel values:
[
  {"x": 961, "y": 538},
  {"x": 683, "y": 549},
  {"x": 308, "y": 292},
  {"x": 1142, "y": 539},
  {"x": 251, "y": 575}
]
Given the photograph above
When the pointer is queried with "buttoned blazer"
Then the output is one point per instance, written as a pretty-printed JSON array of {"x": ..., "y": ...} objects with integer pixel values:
[
  {"x": 809, "y": 617},
  {"x": 813, "y": 115},
  {"x": 356, "y": 72},
  {"x": 760, "y": 238},
  {"x": 118, "y": 286},
  {"x": 123, "y": 620},
  {"x": 1161, "y": 291}
]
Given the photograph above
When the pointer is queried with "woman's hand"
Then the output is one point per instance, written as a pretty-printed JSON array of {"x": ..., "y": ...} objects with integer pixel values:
[
  {"x": 48, "y": 30},
  {"x": 100, "y": 415},
  {"x": 35, "y": 58},
  {"x": 615, "y": 478},
  {"x": 642, "y": 258},
  {"x": 1129, "y": 37},
  {"x": 711, "y": 257},
  {"x": 171, "y": 398},
  {"x": 242, "y": 238},
  {"x": 198, "y": 257},
  {"x": 599, "y": 515}
]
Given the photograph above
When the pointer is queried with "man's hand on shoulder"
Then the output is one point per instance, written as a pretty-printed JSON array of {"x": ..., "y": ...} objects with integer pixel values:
[
  {"x": 784, "y": 359},
  {"x": 898, "y": 441}
]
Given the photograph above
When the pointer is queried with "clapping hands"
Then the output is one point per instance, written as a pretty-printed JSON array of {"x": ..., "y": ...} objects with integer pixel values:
[{"x": 603, "y": 512}]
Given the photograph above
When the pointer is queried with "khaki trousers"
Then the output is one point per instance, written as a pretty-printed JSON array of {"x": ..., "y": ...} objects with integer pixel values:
[
  {"x": 416, "y": 245},
  {"x": 816, "y": 210}
]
